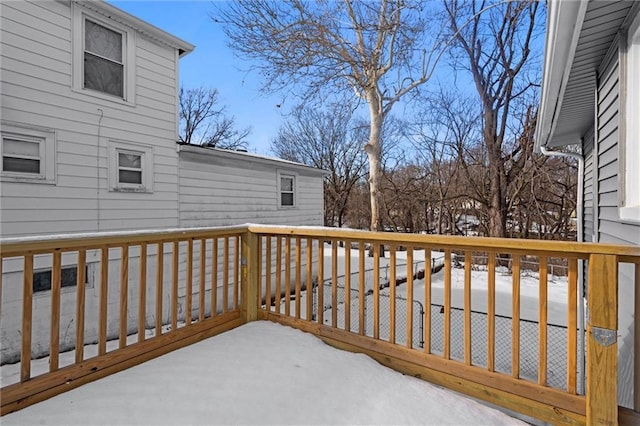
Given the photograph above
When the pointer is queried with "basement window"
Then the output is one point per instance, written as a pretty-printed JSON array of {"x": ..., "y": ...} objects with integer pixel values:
[{"x": 68, "y": 278}]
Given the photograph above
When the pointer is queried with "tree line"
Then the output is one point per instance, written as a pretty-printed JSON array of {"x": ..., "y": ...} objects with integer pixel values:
[{"x": 422, "y": 113}]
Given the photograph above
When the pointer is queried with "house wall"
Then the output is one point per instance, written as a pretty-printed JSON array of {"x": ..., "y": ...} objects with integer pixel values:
[
  {"x": 37, "y": 92},
  {"x": 603, "y": 158},
  {"x": 219, "y": 188}
]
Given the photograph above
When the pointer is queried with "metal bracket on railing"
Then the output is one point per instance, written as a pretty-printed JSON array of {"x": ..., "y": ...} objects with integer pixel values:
[
  {"x": 604, "y": 336},
  {"x": 243, "y": 261}
]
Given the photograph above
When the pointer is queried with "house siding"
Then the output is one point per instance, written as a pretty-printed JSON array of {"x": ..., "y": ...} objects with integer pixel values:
[
  {"x": 610, "y": 229},
  {"x": 220, "y": 189},
  {"x": 37, "y": 89}
]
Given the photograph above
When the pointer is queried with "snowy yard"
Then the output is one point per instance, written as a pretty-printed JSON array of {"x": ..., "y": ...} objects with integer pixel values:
[{"x": 260, "y": 373}]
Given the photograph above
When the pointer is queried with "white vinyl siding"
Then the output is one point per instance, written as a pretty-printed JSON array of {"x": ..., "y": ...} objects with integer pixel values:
[
  {"x": 224, "y": 188},
  {"x": 37, "y": 87}
]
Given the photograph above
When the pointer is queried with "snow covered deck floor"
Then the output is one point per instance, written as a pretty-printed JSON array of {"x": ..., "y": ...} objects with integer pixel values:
[{"x": 259, "y": 373}]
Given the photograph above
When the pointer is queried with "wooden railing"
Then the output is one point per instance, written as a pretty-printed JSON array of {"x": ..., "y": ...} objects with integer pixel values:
[
  {"x": 146, "y": 294},
  {"x": 139, "y": 295},
  {"x": 353, "y": 318}
]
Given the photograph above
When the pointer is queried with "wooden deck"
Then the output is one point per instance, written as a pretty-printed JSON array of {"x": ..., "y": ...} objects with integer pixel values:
[{"x": 178, "y": 287}]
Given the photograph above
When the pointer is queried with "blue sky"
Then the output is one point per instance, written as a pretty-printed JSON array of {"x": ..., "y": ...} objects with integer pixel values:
[{"x": 213, "y": 64}]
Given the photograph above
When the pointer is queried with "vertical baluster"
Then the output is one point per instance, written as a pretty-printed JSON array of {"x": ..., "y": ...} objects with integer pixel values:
[
  {"x": 320, "y": 281},
  {"x": 80, "y": 304},
  {"x": 542, "y": 324},
  {"x": 259, "y": 271},
  {"x": 189, "y": 289},
  {"x": 124, "y": 296},
  {"x": 287, "y": 276},
  {"x": 392, "y": 294},
  {"x": 54, "y": 345},
  {"x": 361, "y": 289},
  {"x": 142, "y": 294},
  {"x": 27, "y": 307},
  {"x": 203, "y": 271},
  {"x": 376, "y": 290},
  {"x": 278, "y": 294},
  {"x": 267, "y": 247},
  {"x": 104, "y": 293},
  {"x": 409, "y": 342},
  {"x": 236, "y": 272},
  {"x": 334, "y": 283},
  {"x": 427, "y": 300},
  {"x": 572, "y": 326},
  {"x": 298, "y": 277},
  {"x": 309, "y": 286},
  {"x": 467, "y": 307},
  {"x": 159, "y": 285},
  {"x": 447, "y": 305},
  {"x": 491, "y": 311},
  {"x": 515, "y": 321},
  {"x": 636, "y": 344},
  {"x": 214, "y": 277},
  {"x": 225, "y": 276},
  {"x": 347, "y": 285},
  {"x": 174, "y": 286}
]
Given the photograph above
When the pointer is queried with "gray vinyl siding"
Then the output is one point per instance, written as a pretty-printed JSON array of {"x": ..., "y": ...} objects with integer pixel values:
[
  {"x": 587, "y": 151},
  {"x": 610, "y": 229},
  {"x": 222, "y": 188},
  {"x": 37, "y": 89}
]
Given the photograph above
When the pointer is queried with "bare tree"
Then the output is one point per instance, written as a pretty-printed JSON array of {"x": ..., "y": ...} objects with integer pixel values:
[
  {"x": 330, "y": 141},
  {"x": 203, "y": 121},
  {"x": 494, "y": 46},
  {"x": 375, "y": 49}
]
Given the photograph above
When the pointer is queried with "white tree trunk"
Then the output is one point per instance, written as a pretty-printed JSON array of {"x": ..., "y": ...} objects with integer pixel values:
[{"x": 374, "y": 153}]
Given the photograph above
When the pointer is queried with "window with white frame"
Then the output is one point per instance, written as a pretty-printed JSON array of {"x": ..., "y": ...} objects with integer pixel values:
[
  {"x": 104, "y": 56},
  {"x": 103, "y": 60},
  {"x": 287, "y": 190},
  {"x": 630, "y": 197},
  {"x": 130, "y": 167},
  {"x": 27, "y": 154}
]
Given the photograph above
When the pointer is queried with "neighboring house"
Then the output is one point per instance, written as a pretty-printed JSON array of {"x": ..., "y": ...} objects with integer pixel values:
[
  {"x": 220, "y": 187},
  {"x": 591, "y": 98},
  {"x": 89, "y": 124}
]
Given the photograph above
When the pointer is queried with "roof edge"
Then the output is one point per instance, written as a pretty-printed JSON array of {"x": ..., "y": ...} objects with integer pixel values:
[
  {"x": 204, "y": 150},
  {"x": 564, "y": 24},
  {"x": 119, "y": 15}
]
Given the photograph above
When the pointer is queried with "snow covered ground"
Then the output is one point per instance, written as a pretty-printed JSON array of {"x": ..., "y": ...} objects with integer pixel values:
[{"x": 260, "y": 373}]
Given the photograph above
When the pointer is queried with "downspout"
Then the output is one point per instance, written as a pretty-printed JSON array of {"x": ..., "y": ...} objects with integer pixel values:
[{"x": 580, "y": 238}]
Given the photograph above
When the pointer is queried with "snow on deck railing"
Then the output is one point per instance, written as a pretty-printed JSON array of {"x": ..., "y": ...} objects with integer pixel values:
[{"x": 512, "y": 338}]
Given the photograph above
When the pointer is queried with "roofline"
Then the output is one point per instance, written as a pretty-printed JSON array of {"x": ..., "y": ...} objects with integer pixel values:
[
  {"x": 564, "y": 24},
  {"x": 119, "y": 15},
  {"x": 205, "y": 150}
]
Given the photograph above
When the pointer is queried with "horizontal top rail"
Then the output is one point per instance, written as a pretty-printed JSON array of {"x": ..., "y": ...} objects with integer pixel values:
[
  {"x": 66, "y": 242},
  {"x": 560, "y": 248},
  {"x": 46, "y": 243}
]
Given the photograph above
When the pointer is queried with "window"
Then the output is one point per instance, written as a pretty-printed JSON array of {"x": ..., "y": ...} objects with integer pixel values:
[
  {"x": 27, "y": 154},
  {"x": 68, "y": 278},
  {"x": 630, "y": 194},
  {"x": 130, "y": 167},
  {"x": 103, "y": 56},
  {"x": 103, "y": 64},
  {"x": 287, "y": 190}
]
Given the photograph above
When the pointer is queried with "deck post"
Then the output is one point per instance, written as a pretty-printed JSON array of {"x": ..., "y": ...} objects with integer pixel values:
[
  {"x": 602, "y": 347},
  {"x": 250, "y": 279}
]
